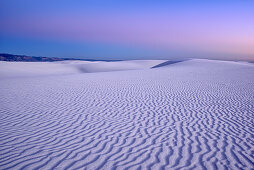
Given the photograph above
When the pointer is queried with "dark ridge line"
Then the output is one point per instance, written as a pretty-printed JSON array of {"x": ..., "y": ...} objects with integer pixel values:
[
  {"x": 169, "y": 62},
  {"x": 24, "y": 58}
]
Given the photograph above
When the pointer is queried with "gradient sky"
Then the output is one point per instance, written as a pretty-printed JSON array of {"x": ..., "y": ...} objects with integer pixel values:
[{"x": 128, "y": 29}]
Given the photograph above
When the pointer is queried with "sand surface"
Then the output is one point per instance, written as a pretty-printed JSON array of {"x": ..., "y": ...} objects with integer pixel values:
[
  {"x": 196, "y": 114},
  {"x": 35, "y": 69}
]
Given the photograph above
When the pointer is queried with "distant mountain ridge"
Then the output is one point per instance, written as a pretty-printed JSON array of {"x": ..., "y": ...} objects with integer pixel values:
[{"x": 24, "y": 58}]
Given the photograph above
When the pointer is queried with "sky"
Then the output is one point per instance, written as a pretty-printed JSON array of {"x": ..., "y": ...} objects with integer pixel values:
[{"x": 128, "y": 29}]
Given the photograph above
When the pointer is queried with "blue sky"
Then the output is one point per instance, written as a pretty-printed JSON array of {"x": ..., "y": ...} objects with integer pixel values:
[{"x": 128, "y": 29}]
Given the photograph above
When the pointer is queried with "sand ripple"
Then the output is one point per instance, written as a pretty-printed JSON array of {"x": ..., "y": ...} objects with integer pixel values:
[{"x": 197, "y": 114}]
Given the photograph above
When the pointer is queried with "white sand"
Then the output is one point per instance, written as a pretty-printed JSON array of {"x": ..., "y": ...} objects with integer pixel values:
[
  {"x": 29, "y": 69},
  {"x": 195, "y": 114}
]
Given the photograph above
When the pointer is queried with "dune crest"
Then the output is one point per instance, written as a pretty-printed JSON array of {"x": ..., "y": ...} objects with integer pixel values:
[{"x": 28, "y": 69}]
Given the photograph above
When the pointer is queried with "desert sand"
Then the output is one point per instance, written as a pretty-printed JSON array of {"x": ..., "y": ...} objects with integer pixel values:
[{"x": 195, "y": 114}]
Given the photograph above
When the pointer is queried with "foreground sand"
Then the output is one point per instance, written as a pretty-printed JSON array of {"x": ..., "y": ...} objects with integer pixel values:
[{"x": 194, "y": 114}]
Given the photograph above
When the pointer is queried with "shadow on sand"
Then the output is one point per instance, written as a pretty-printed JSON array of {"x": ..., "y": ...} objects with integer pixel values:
[{"x": 169, "y": 62}]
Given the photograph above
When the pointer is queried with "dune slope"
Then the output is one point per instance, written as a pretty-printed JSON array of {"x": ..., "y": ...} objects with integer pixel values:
[
  {"x": 194, "y": 114},
  {"x": 35, "y": 69}
]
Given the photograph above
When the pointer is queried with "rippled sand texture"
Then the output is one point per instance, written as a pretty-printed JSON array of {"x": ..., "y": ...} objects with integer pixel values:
[{"x": 194, "y": 114}]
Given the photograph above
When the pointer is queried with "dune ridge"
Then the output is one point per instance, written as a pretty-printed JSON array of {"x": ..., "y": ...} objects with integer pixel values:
[
  {"x": 35, "y": 69},
  {"x": 197, "y": 114}
]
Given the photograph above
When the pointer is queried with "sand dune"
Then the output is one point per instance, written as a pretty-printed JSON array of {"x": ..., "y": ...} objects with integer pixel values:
[
  {"x": 29, "y": 69},
  {"x": 118, "y": 66},
  {"x": 196, "y": 114}
]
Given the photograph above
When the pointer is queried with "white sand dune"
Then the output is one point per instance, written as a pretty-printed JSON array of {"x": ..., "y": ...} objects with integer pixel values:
[
  {"x": 118, "y": 66},
  {"x": 28, "y": 69},
  {"x": 197, "y": 114}
]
